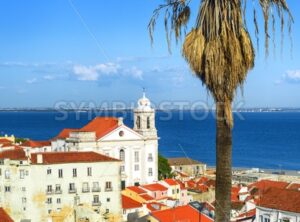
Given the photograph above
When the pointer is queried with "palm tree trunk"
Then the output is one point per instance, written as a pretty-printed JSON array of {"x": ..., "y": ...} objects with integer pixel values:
[{"x": 223, "y": 171}]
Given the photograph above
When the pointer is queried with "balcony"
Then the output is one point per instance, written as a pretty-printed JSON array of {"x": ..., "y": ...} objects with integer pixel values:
[
  {"x": 58, "y": 191},
  {"x": 108, "y": 189},
  {"x": 85, "y": 190},
  {"x": 96, "y": 189},
  {"x": 49, "y": 192},
  {"x": 98, "y": 203},
  {"x": 73, "y": 190}
]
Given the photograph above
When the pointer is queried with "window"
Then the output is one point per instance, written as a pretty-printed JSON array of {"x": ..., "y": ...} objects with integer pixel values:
[
  {"x": 136, "y": 167},
  {"x": 107, "y": 199},
  {"x": 49, "y": 200},
  {"x": 7, "y": 174},
  {"x": 89, "y": 171},
  {"x": 49, "y": 171},
  {"x": 96, "y": 187},
  {"x": 96, "y": 198},
  {"x": 7, "y": 189},
  {"x": 49, "y": 188},
  {"x": 60, "y": 173},
  {"x": 150, "y": 172},
  {"x": 122, "y": 155},
  {"x": 150, "y": 157},
  {"x": 148, "y": 122},
  {"x": 85, "y": 187},
  {"x": 58, "y": 200},
  {"x": 138, "y": 122},
  {"x": 22, "y": 174},
  {"x": 285, "y": 220},
  {"x": 72, "y": 188},
  {"x": 74, "y": 172},
  {"x": 108, "y": 186},
  {"x": 122, "y": 168},
  {"x": 136, "y": 156},
  {"x": 23, "y": 189},
  {"x": 57, "y": 188},
  {"x": 24, "y": 200},
  {"x": 107, "y": 211}
]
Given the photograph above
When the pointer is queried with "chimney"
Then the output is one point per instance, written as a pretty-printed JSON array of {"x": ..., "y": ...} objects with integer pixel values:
[
  {"x": 39, "y": 158},
  {"x": 120, "y": 121}
]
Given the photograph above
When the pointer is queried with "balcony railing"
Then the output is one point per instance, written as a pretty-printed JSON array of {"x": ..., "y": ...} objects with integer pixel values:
[
  {"x": 98, "y": 203},
  {"x": 58, "y": 191},
  {"x": 73, "y": 190},
  {"x": 108, "y": 189},
  {"x": 85, "y": 190},
  {"x": 48, "y": 192},
  {"x": 96, "y": 189}
]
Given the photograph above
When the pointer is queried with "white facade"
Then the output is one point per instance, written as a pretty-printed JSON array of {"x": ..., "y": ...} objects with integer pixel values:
[
  {"x": 137, "y": 147},
  {"x": 273, "y": 215},
  {"x": 36, "y": 190}
]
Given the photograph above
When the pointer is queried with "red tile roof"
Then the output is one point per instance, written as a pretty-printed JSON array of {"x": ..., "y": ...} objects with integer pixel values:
[
  {"x": 294, "y": 186},
  {"x": 65, "y": 133},
  {"x": 263, "y": 185},
  {"x": 4, "y": 217},
  {"x": 155, "y": 187},
  {"x": 171, "y": 182},
  {"x": 182, "y": 213},
  {"x": 36, "y": 144},
  {"x": 5, "y": 141},
  {"x": 182, "y": 186},
  {"x": 70, "y": 157},
  {"x": 136, "y": 189},
  {"x": 101, "y": 125},
  {"x": 128, "y": 203},
  {"x": 281, "y": 199},
  {"x": 146, "y": 197},
  {"x": 235, "y": 194},
  {"x": 16, "y": 153},
  {"x": 248, "y": 214}
]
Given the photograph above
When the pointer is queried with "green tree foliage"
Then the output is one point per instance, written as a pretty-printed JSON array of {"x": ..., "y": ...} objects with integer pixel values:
[{"x": 164, "y": 169}]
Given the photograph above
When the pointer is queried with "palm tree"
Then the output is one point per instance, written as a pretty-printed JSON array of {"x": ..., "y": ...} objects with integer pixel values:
[{"x": 219, "y": 50}]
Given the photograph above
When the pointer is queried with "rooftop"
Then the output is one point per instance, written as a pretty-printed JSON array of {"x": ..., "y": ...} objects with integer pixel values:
[
  {"x": 36, "y": 144},
  {"x": 182, "y": 161},
  {"x": 70, "y": 157},
  {"x": 155, "y": 187},
  {"x": 4, "y": 216},
  {"x": 17, "y": 153},
  {"x": 128, "y": 203},
  {"x": 136, "y": 189},
  {"x": 281, "y": 199},
  {"x": 182, "y": 213}
]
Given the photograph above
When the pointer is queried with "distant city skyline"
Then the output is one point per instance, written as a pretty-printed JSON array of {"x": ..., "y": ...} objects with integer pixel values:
[{"x": 95, "y": 51}]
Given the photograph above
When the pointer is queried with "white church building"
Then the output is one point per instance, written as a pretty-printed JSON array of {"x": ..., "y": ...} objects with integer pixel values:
[{"x": 137, "y": 147}]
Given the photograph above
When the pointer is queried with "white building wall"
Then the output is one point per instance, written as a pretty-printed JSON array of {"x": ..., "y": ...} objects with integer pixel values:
[{"x": 275, "y": 215}]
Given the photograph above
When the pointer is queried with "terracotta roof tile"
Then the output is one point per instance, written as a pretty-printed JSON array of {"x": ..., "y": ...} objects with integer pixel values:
[
  {"x": 155, "y": 187},
  {"x": 128, "y": 203},
  {"x": 5, "y": 141},
  {"x": 101, "y": 125},
  {"x": 146, "y": 197},
  {"x": 136, "y": 189},
  {"x": 182, "y": 213},
  {"x": 70, "y": 157},
  {"x": 4, "y": 217},
  {"x": 17, "y": 153},
  {"x": 182, "y": 161},
  {"x": 65, "y": 133},
  {"x": 171, "y": 182},
  {"x": 36, "y": 144},
  {"x": 281, "y": 199}
]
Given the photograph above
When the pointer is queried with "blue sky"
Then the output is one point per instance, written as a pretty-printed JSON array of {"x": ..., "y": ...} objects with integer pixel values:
[{"x": 99, "y": 51}]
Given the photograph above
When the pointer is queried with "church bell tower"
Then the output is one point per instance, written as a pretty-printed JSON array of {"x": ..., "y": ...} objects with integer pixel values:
[{"x": 144, "y": 118}]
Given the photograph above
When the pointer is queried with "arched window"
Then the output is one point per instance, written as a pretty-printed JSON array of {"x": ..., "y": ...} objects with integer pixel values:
[
  {"x": 138, "y": 122},
  {"x": 148, "y": 122},
  {"x": 122, "y": 155}
]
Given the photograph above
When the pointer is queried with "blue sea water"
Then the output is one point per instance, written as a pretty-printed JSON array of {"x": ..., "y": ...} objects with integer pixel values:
[{"x": 262, "y": 140}]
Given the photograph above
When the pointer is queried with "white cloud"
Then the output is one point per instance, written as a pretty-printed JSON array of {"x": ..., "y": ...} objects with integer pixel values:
[
  {"x": 49, "y": 77},
  {"x": 31, "y": 81},
  {"x": 292, "y": 76},
  {"x": 134, "y": 72},
  {"x": 94, "y": 73}
]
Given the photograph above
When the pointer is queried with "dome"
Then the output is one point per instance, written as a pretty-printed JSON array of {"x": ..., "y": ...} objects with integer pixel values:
[{"x": 144, "y": 103}]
